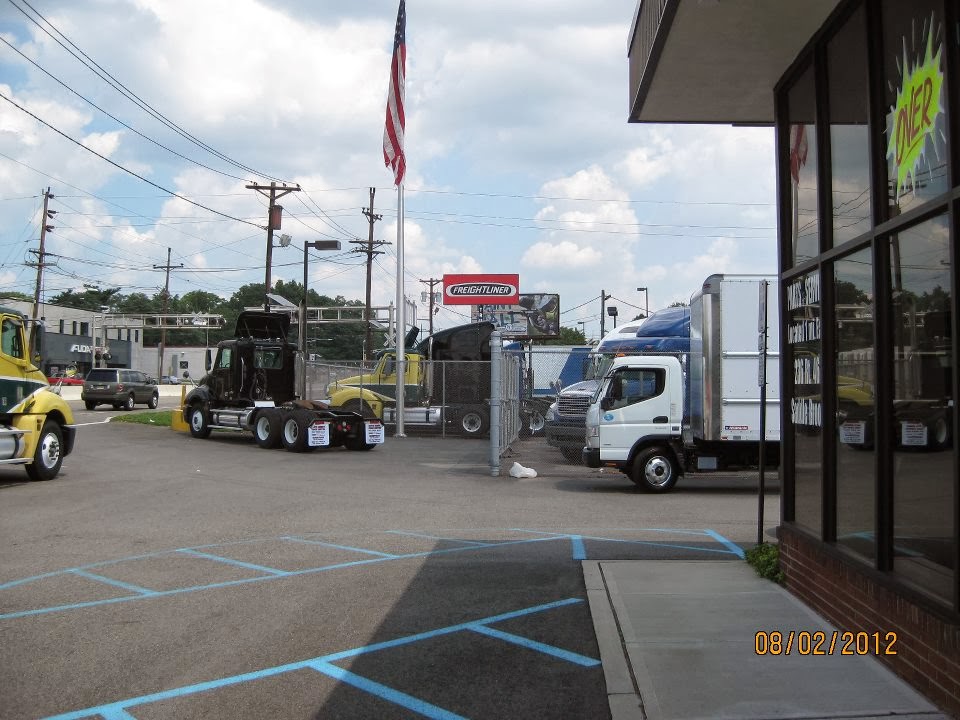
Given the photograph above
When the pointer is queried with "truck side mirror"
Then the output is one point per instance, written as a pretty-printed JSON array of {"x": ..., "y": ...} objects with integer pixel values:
[
  {"x": 37, "y": 341},
  {"x": 606, "y": 403},
  {"x": 208, "y": 360}
]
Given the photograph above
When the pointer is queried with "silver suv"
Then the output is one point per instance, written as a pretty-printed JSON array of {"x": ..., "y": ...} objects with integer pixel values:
[{"x": 120, "y": 388}]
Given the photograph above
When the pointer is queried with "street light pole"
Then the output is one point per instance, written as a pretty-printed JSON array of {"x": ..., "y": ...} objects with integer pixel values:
[{"x": 646, "y": 300}]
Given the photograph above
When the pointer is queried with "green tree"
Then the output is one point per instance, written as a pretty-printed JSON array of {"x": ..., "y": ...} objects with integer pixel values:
[
  {"x": 93, "y": 299},
  {"x": 568, "y": 336}
]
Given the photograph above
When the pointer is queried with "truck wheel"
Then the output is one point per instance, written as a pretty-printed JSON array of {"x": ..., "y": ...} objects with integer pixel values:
[
  {"x": 48, "y": 456},
  {"x": 130, "y": 403},
  {"x": 199, "y": 421},
  {"x": 295, "y": 429},
  {"x": 655, "y": 470},
  {"x": 154, "y": 401},
  {"x": 474, "y": 422},
  {"x": 940, "y": 433},
  {"x": 359, "y": 442},
  {"x": 267, "y": 428}
]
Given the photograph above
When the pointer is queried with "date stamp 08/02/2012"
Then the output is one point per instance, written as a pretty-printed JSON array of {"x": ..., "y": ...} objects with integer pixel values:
[{"x": 824, "y": 642}]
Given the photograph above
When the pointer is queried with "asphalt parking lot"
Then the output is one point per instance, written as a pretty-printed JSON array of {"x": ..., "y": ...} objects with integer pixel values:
[{"x": 166, "y": 577}]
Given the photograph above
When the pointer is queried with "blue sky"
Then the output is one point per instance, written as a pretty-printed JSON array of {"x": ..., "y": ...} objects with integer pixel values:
[{"x": 519, "y": 155}]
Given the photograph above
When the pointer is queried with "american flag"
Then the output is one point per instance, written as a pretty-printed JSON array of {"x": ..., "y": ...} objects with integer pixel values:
[
  {"x": 393, "y": 155},
  {"x": 798, "y": 150}
]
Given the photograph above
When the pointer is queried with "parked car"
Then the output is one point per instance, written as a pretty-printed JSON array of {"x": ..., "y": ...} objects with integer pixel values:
[
  {"x": 65, "y": 380},
  {"x": 169, "y": 380},
  {"x": 120, "y": 388}
]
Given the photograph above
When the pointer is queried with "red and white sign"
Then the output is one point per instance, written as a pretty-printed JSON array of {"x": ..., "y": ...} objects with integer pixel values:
[{"x": 481, "y": 289}]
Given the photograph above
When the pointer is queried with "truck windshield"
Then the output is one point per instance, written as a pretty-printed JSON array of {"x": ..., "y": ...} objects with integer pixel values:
[{"x": 598, "y": 366}]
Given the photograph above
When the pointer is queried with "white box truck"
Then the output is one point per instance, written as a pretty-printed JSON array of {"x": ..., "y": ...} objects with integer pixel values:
[{"x": 655, "y": 417}]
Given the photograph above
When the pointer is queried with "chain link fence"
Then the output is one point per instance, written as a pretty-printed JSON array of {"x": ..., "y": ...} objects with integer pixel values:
[{"x": 457, "y": 399}]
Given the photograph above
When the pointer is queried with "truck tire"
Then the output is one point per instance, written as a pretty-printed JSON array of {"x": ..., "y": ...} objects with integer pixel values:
[
  {"x": 266, "y": 429},
  {"x": 199, "y": 421},
  {"x": 473, "y": 422},
  {"x": 48, "y": 457},
  {"x": 294, "y": 430},
  {"x": 359, "y": 442},
  {"x": 655, "y": 470}
]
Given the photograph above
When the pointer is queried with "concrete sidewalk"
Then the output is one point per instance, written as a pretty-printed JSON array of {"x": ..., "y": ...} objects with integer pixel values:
[{"x": 677, "y": 640}]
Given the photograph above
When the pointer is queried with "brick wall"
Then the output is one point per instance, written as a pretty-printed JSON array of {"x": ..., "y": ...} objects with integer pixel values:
[{"x": 928, "y": 647}]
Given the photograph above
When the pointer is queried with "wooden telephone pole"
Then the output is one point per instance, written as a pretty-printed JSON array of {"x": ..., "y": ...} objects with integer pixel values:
[
  {"x": 274, "y": 214},
  {"x": 41, "y": 253},
  {"x": 370, "y": 252}
]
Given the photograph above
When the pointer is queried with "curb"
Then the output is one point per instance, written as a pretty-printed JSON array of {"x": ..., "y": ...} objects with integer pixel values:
[{"x": 622, "y": 693}]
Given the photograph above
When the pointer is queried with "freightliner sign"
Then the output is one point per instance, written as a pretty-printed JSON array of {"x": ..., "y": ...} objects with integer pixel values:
[{"x": 480, "y": 289}]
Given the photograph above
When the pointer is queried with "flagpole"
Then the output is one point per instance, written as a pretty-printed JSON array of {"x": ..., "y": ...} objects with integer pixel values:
[{"x": 401, "y": 321}]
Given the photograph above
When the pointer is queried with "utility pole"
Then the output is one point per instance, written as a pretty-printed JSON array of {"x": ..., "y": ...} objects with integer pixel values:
[
  {"x": 603, "y": 311},
  {"x": 41, "y": 253},
  {"x": 371, "y": 219},
  {"x": 274, "y": 213},
  {"x": 166, "y": 295},
  {"x": 431, "y": 282}
]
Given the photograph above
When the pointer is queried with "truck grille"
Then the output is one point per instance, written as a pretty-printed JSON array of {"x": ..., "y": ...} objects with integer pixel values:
[{"x": 573, "y": 404}]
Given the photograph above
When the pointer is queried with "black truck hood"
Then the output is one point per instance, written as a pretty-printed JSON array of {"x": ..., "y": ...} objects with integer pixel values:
[{"x": 262, "y": 325}]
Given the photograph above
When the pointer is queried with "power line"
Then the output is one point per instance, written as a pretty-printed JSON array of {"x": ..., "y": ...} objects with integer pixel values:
[
  {"x": 108, "y": 78},
  {"x": 116, "y": 119},
  {"x": 121, "y": 167}
]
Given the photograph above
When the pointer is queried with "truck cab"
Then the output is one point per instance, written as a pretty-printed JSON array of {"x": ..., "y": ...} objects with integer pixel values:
[
  {"x": 36, "y": 426},
  {"x": 634, "y": 423}
]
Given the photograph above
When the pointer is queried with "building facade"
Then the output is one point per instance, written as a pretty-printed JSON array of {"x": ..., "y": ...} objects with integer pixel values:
[
  {"x": 76, "y": 339},
  {"x": 865, "y": 99}
]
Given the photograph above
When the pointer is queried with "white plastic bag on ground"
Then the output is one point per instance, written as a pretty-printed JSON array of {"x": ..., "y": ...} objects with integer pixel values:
[{"x": 519, "y": 471}]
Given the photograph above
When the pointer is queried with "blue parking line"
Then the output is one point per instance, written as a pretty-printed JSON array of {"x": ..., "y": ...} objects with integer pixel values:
[
  {"x": 117, "y": 710},
  {"x": 115, "y": 583},
  {"x": 396, "y": 697},
  {"x": 116, "y": 713},
  {"x": 292, "y": 538},
  {"x": 238, "y": 563},
  {"x": 579, "y": 549},
  {"x": 579, "y": 553},
  {"x": 571, "y": 657},
  {"x": 437, "y": 537},
  {"x": 734, "y": 548}
]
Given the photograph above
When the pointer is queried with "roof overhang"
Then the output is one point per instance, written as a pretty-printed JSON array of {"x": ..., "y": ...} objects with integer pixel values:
[{"x": 715, "y": 61}]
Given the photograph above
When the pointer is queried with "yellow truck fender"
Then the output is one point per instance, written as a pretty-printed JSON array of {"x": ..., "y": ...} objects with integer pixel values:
[
  {"x": 35, "y": 409},
  {"x": 354, "y": 395}
]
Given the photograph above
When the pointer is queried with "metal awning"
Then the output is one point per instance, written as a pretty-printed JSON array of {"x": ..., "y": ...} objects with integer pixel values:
[{"x": 715, "y": 61}]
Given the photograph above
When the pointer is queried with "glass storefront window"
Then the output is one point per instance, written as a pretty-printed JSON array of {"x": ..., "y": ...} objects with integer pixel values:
[
  {"x": 849, "y": 133},
  {"x": 806, "y": 413},
  {"x": 853, "y": 325},
  {"x": 805, "y": 228},
  {"x": 924, "y": 476},
  {"x": 914, "y": 42}
]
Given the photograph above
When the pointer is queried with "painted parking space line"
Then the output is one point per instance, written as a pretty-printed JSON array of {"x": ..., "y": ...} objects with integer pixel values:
[
  {"x": 119, "y": 710},
  {"x": 111, "y": 581},
  {"x": 291, "y": 538},
  {"x": 578, "y": 542},
  {"x": 579, "y": 550},
  {"x": 237, "y": 563},
  {"x": 438, "y": 537}
]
